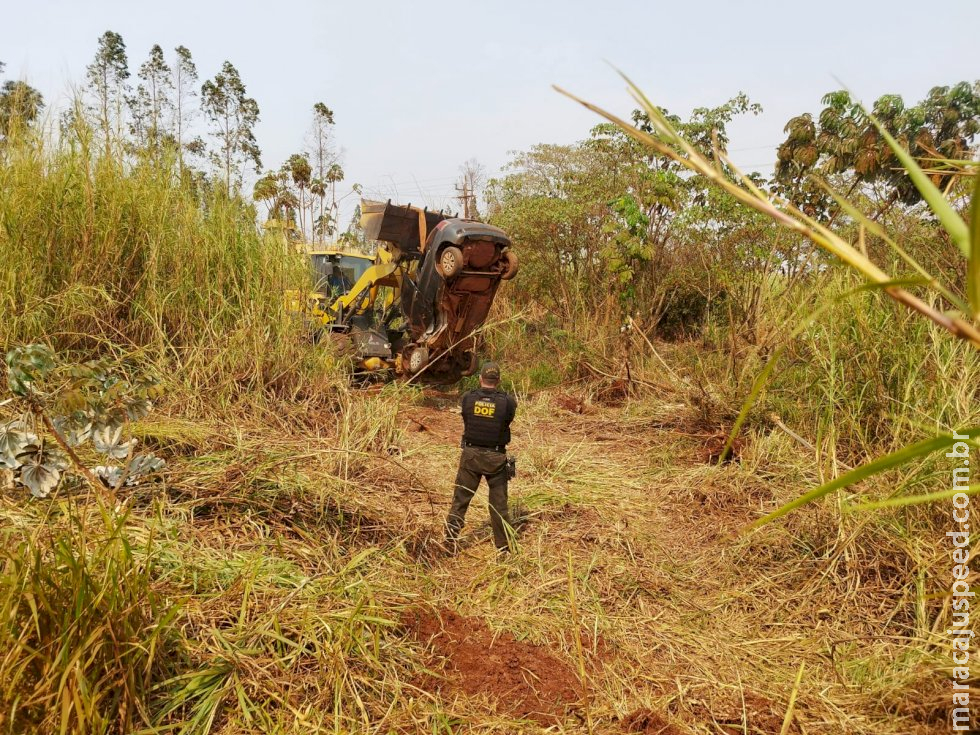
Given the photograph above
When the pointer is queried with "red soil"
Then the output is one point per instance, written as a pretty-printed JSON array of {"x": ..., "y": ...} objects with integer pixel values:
[{"x": 524, "y": 680}]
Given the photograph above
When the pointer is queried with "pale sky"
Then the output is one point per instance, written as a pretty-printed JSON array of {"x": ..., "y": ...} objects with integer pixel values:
[{"x": 419, "y": 87}]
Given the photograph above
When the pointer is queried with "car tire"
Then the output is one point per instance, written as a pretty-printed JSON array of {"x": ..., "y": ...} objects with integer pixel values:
[
  {"x": 450, "y": 262},
  {"x": 415, "y": 358},
  {"x": 510, "y": 265}
]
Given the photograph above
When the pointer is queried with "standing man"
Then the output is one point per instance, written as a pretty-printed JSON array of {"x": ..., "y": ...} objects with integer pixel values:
[{"x": 487, "y": 413}]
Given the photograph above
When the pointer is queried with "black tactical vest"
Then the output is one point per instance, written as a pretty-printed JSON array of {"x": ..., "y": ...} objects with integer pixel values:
[{"x": 486, "y": 417}]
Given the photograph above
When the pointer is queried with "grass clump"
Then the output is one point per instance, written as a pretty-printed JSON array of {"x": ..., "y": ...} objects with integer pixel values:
[
  {"x": 128, "y": 257},
  {"x": 86, "y": 636}
]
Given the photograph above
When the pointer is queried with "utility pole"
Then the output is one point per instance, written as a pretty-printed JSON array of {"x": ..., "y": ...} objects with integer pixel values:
[
  {"x": 471, "y": 175},
  {"x": 464, "y": 197}
]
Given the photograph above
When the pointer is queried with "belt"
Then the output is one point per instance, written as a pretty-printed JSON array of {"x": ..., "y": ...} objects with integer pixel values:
[{"x": 497, "y": 448}]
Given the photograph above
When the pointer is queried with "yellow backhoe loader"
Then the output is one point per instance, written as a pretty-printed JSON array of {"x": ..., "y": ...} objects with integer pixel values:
[{"x": 417, "y": 306}]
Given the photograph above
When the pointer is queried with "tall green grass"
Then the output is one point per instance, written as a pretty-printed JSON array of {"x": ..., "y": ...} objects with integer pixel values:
[
  {"x": 140, "y": 261},
  {"x": 938, "y": 303},
  {"x": 128, "y": 256},
  {"x": 84, "y": 633}
]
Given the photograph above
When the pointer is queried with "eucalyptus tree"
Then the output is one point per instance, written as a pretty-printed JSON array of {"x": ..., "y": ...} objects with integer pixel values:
[
  {"x": 185, "y": 90},
  {"x": 107, "y": 79},
  {"x": 274, "y": 189},
  {"x": 151, "y": 106},
  {"x": 324, "y": 154},
  {"x": 232, "y": 116}
]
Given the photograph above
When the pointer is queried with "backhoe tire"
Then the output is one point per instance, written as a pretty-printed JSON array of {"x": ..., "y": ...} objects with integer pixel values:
[
  {"x": 510, "y": 265},
  {"x": 450, "y": 262},
  {"x": 415, "y": 358}
]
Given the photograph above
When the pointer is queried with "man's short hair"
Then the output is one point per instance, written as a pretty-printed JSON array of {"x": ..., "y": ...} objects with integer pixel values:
[{"x": 490, "y": 372}]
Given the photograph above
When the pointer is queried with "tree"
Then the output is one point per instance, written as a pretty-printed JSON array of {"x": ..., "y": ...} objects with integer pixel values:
[
  {"x": 273, "y": 188},
  {"x": 598, "y": 224},
  {"x": 471, "y": 180},
  {"x": 151, "y": 105},
  {"x": 20, "y": 104},
  {"x": 299, "y": 170},
  {"x": 321, "y": 147},
  {"x": 335, "y": 174},
  {"x": 232, "y": 115},
  {"x": 321, "y": 226},
  {"x": 353, "y": 237},
  {"x": 184, "y": 85},
  {"x": 266, "y": 190},
  {"x": 552, "y": 202},
  {"x": 107, "y": 75},
  {"x": 844, "y": 143}
]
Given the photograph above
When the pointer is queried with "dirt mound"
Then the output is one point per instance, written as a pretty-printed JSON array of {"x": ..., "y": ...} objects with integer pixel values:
[
  {"x": 732, "y": 712},
  {"x": 525, "y": 680},
  {"x": 714, "y": 445},
  {"x": 573, "y": 404},
  {"x": 647, "y": 722}
]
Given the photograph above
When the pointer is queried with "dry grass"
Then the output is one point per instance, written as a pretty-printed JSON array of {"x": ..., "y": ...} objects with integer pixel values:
[
  {"x": 271, "y": 570},
  {"x": 262, "y": 585}
]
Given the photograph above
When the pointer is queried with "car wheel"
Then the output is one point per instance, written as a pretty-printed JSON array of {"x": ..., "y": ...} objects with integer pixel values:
[
  {"x": 450, "y": 262},
  {"x": 510, "y": 265},
  {"x": 414, "y": 358}
]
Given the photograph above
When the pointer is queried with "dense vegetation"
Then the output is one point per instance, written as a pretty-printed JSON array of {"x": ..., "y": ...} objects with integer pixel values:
[{"x": 263, "y": 584}]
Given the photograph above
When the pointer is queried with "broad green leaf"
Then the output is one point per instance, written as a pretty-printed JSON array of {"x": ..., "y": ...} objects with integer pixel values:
[
  {"x": 74, "y": 431},
  {"x": 14, "y": 439},
  {"x": 109, "y": 474},
  {"x": 145, "y": 464},
  {"x": 137, "y": 408},
  {"x": 42, "y": 473},
  {"x": 27, "y": 364},
  {"x": 34, "y": 358},
  {"x": 20, "y": 384},
  {"x": 895, "y": 459},
  {"x": 39, "y": 479},
  {"x": 107, "y": 439},
  {"x": 140, "y": 466},
  {"x": 950, "y": 219}
]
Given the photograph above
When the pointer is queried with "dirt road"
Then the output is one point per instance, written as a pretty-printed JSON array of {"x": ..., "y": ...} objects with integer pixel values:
[{"x": 629, "y": 606}]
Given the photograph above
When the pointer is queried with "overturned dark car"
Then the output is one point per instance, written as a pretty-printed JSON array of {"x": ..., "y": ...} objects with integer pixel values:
[{"x": 448, "y": 273}]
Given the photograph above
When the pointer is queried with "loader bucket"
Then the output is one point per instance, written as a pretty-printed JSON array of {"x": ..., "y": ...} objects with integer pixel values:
[{"x": 404, "y": 226}]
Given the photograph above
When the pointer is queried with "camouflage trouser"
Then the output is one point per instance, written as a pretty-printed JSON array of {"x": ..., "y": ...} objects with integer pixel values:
[{"x": 475, "y": 463}]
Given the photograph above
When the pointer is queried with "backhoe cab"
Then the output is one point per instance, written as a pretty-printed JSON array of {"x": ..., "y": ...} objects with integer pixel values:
[{"x": 418, "y": 307}]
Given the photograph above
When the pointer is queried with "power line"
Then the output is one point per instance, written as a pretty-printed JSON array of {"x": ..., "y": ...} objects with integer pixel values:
[{"x": 413, "y": 182}]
